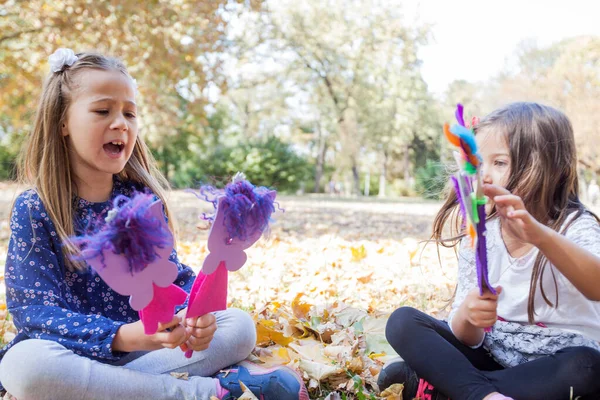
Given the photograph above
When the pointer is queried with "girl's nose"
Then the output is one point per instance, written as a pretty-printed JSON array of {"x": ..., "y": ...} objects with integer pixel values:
[
  {"x": 119, "y": 123},
  {"x": 485, "y": 174}
]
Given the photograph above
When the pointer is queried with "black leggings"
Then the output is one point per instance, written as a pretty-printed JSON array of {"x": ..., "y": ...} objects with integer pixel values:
[{"x": 460, "y": 372}]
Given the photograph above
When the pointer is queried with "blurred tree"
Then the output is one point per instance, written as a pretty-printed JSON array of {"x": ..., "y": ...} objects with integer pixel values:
[
  {"x": 170, "y": 49},
  {"x": 332, "y": 62},
  {"x": 564, "y": 75}
]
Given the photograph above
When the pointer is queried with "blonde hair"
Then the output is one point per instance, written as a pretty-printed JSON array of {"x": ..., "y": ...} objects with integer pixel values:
[{"x": 44, "y": 160}]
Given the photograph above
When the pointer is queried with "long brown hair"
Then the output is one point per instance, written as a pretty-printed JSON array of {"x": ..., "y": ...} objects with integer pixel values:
[
  {"x": 44, "y": 160},
  {"x": 543, "y": 172}
]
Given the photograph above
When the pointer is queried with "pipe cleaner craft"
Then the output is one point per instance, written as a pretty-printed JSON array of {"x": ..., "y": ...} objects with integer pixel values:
[
  {"x": 242, "y": 216},
  {"x": 468, "y": 186},
  {"x": 131, "y": 254}
]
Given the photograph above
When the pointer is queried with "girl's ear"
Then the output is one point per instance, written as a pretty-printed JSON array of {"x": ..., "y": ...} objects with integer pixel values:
[{"x": 63, "y": 129}]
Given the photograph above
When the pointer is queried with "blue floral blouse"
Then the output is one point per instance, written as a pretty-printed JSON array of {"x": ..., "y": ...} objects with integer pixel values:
[{"x": 47, "y": 301}]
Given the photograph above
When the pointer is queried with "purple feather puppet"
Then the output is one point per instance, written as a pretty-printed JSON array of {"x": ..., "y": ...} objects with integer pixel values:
[
  {"x": 131, "y": 254},
  {"x": 246, "y": 208},
  {"x": 243, "y": 212},
  {"x": 468, "y": 186},
  {"x": 130, "y": 230}
]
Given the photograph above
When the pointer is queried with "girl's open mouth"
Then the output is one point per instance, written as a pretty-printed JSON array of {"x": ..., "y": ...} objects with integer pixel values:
[{"x": 114, "y": 149}]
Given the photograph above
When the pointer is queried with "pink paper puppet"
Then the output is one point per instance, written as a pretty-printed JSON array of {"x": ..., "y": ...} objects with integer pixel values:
[
  {"x": 131, "y": 254},
  {"x": 225, "y": 249},
  {"x": 162, "y": 307},
  {"x": 242, "y": 215}
]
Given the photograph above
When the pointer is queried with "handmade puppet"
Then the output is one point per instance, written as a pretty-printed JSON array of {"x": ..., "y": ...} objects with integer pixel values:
[
  {"x": 468, "y": 185},
  {"x": 242, "y": 215},
  {"x": 131, "y": 254}
]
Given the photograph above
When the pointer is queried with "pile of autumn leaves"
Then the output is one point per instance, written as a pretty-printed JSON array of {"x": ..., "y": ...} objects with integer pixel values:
[{"x": 336, "y": 348}]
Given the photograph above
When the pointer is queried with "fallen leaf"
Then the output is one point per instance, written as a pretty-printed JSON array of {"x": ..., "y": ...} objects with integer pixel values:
[
  {"x": 319, "y": 371},
  {"x": 266, "y": 333},
  {"x": 181, "y": 375},
  {"x": 358, "y": 253},
  {"x": 393, "y": 392},
  {"x": 300, "y": 308},
  {"x": 366, "y": 278},
  {"x": 356, "y": 365},
  {"x": 247, "y": 394},
  {"x": 374, "y": 332}
]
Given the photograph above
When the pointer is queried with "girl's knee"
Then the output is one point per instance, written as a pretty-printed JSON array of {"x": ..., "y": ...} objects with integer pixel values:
[
  {"x": 26, "y": 366},
  {"x": 399, "y": 322},
  {"x": 239, "y": 326},
  {"x": 583, "y": 365},
  {"x": 588, "y": 357}
]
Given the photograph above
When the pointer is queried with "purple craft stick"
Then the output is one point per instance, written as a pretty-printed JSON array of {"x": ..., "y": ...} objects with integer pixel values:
[{"x": 481, "y": 254}]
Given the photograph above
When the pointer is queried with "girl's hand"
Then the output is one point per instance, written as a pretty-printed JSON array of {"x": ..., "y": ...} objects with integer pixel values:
[
  {"x": 131, "y": 337},
  {"x": 170, "y": 335},
  {"x": 481, "y": 310},
  {"x": 202, "y": 330},
  {"x": 515, "y": 218}
]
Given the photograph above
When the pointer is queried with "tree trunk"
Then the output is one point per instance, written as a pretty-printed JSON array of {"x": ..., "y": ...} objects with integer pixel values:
[
  {"x": 320, "y": 167},
  {"x": 383, "y": 175},
  {"x": 406, "y": 163},
  {"x": 355, "y": 178}
]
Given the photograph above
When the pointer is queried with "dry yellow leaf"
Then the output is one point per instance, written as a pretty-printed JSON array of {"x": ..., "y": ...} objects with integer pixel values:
[
  {"x": 393, "y": 392},
  {"x": 300, "y": 308},
  {"x": 356, "y": 365},
  {"x": 266, "y": 333},
  {"x": 310, "y": 349},
  {"x": 247, "y": 395},
  {"x": 181, "y": 375},
  {"x": 274, "y": 357},
  {"x": 320, "y": 371},
  {"x": 358, "y": 253},
  {"x": 366, "y": 278}
]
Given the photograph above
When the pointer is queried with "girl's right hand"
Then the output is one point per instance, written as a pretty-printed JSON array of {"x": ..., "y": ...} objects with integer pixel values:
[
  {"x": 170, "y": 335},
  {"x": 481, "y": 310},
  {"x": 131, "y": 337}
]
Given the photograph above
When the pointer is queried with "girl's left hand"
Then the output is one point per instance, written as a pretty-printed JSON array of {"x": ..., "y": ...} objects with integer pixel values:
[
  {"x": 515, "y": 218},
  {"x": 202, "y": 331}
]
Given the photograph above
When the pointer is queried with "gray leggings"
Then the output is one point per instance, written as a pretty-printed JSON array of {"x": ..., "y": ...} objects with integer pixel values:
[{"x": 41, "y": 369}]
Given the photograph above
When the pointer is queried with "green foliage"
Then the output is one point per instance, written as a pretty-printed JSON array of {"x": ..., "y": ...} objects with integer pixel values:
[
  {"x": 269, "y": 162},
  {"x": 431, "y": 180},
  {"x": 399, "y": 187},
  {"x": 9, "y": 149},
  {"x": 7, "y": 163}
]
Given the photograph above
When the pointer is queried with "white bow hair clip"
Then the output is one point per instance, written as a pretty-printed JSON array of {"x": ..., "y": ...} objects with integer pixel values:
[{"x": 60, "y": 58}]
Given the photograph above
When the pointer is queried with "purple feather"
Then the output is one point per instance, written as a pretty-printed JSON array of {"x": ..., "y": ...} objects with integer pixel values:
[
  {"x": 130, "y": 230},
  {"x": 459, "y": 114},
  {"x": 247, "y": 208},
  {"x": 459, "y": 198}
]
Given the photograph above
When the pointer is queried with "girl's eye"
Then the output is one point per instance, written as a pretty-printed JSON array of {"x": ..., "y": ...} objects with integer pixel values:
[
  {"x": 101, "y": 112},
  {"x": 500, "y": 163},
  {"x": 130, "y": 115}
]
